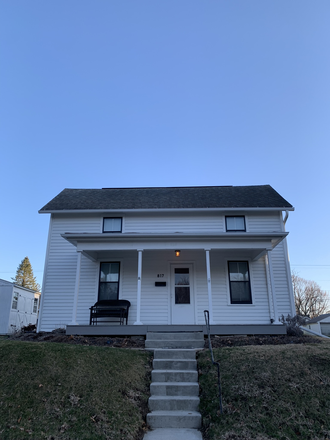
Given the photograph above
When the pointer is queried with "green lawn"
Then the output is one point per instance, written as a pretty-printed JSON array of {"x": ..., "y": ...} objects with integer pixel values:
[
  {"x": 60, "y": 391},
  {"x": 269, "y": 392}
]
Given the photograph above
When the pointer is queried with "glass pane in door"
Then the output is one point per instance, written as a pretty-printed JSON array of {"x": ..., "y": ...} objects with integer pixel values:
[{"x": 182, "y": 286}]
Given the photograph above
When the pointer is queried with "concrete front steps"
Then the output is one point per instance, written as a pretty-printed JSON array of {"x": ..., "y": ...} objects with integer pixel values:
[
  {"x": 174, "y": 340},
  {"x": 174, "y": 389}
]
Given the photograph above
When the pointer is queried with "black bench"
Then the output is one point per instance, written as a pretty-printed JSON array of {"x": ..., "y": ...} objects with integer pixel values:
[{"x": 114, "y": 310}]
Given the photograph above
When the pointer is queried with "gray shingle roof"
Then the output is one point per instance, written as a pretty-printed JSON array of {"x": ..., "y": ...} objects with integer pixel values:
[
  {"x": 259, "y": 196},
  {"x": 318, "y": 318}
]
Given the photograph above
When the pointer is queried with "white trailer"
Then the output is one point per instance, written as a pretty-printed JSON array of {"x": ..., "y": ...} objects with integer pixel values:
[{"x": 19, "y": 307}]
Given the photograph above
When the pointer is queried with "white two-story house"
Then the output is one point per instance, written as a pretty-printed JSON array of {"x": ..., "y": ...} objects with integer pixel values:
[{"x": 173, "y": 253}]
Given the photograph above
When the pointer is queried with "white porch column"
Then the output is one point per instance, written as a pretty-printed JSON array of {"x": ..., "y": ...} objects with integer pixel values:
[
  {"x": 209, "y": 288},
  {"x": 76, "y": 291},
  {"x": 271, "y": 279},
  {"x": 139, "y": 280}
]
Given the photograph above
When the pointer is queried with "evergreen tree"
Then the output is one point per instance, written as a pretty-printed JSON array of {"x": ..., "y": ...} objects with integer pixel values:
[{"x": 24, "y": 276}]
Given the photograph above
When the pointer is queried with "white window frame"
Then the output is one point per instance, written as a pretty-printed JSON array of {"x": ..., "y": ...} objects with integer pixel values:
[
  {"x": 35, "y": 305},
  {"x": 248, "y": 260},
  {"x": 234, "y": 217},
  {"x": 119, "y": 276},
  {"x": 15, "y": 301},
  {"x": 112, "y": 218}
]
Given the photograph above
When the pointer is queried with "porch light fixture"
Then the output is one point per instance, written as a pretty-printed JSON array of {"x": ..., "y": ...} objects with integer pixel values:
[{"x": 177, "y": 253}]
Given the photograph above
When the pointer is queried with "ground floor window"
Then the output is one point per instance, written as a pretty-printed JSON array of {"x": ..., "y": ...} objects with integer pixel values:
[
  {"x": 239, "y": 282},
  {"x": 109, "y": 281}
]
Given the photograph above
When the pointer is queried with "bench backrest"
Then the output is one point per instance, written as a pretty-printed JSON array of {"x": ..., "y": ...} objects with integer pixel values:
[{"x": 124, "y": 303}]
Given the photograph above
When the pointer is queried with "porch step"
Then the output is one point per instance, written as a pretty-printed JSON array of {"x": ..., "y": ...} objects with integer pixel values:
[
  {"x": 174, "y": 388},
  {"x": 188, "y": 340},
  {"x": 173, "y": 403},
  {"x": 174, "y": 376},
  {"x": 176, "y": 335},
  {"x": 174, "y": 364},
  {"x": 175, "y": 354},
  {"x": 174, "y": 419}
]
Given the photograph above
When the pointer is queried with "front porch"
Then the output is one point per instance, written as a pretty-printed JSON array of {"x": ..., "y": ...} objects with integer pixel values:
[{"x": 142, "y": 330}]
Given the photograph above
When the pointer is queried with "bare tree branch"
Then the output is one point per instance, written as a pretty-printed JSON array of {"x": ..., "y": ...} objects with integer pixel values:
[{"x": 310, "y": 300}]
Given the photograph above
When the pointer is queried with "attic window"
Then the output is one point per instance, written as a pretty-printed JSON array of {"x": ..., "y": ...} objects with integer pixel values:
[
  {"x": 112, "y": 224},
  {"x": 235, "y": 223}
]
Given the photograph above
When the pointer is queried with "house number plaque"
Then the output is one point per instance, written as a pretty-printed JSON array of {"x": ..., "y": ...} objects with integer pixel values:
[{"x": 160, "y": 275}]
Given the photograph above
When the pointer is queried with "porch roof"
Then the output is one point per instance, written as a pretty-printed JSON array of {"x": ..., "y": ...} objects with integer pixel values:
[{"x": 94, "y": 245}]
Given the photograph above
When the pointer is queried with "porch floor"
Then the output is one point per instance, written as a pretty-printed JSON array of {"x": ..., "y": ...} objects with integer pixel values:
[{"x": 142, "y": 330}]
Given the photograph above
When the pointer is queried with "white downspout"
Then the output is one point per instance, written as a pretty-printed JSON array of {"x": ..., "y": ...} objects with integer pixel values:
[
  {"x": 139, "y": 281},
  {"x": 271, "y": 289},
  {"x": 288, "y": 268},
  {"x": 209, "y": 288}
]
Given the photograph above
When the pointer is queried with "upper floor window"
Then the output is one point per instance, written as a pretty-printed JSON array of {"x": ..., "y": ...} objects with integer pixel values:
[
  {"x": 112, "y": 224},
  {"x": 15, "y": 300},
  {"x": 239, "y": 282},
  {"x": 235, "y": 223}
]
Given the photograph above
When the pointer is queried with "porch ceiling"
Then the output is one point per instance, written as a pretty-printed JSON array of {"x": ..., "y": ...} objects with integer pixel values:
[{"x": 96, "y": 245}]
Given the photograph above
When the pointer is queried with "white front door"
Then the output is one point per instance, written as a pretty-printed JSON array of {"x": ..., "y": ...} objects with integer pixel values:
[{"x": 182, "y": 294}]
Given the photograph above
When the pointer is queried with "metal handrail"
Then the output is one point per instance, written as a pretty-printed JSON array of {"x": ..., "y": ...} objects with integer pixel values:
[{"x": 207, "y": 322}]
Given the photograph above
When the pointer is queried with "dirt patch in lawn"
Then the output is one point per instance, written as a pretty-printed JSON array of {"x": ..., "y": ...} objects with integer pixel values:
[
  {"x": 238, "y": 341},
  {"x": 137, "y": 342},
  {"x": 59, "y": 335}
]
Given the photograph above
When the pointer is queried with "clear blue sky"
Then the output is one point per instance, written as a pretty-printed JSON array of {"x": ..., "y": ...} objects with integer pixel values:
[{"x": 164, "y": 93}]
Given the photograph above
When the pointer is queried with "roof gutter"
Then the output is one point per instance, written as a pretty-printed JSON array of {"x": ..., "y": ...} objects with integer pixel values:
[{"x": 98, "y": 211}]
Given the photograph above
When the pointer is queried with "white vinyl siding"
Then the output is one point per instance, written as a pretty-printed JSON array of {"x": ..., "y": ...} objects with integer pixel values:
[
  {"x": 60, "y": 273},
  {"x": 61, "y": 269},
  {"x": 171, "y": 223},
  {"x": 280, "y": 280},
  {"x": 263, "y": 222},
  {"x": 226, "y": 313}
]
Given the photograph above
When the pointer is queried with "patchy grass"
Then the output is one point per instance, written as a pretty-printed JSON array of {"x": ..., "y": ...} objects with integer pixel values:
[
  {"x": 269, "y": 392},
  {"x": 60, "y": 391}
]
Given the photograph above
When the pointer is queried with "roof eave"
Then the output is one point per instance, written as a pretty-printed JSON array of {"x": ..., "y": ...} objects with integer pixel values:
[{"x": 97, "y": 211}]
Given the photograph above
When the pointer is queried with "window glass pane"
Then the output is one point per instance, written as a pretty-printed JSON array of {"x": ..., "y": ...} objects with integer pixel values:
[
  {"x": 112, "y": 224},
  {"x": 235, "y": 223},
  {"x": 108, "y": 291},
  {"x": 238, "y": 271},
  {"x": 239, "y": 223},
  {"x": 240, "y": 292},
  {"x": 181, "y": 280},
  {"x": 182, "y": 295},
  {"x": 35, "y": 305},
  {"x": 109, "y": 272},
  {"x": 181, "y": 270},
  {"x": 109, "y": 281},
  {"x": 181, "y": 276},
  {"x": 104, "y": 272},
  {"x": 15, "y": 299},
  {"x": 230, "y": 223}
]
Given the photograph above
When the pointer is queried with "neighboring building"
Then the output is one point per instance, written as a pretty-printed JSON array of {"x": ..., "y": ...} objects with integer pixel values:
[
  {"x": 172, "y": 252},
  {"x": 320, "y": 324},
  {"x": 18, "y": 307}
]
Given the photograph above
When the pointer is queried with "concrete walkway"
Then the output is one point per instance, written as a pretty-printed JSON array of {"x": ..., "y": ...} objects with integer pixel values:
[{"x": 173, "y": 434}]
